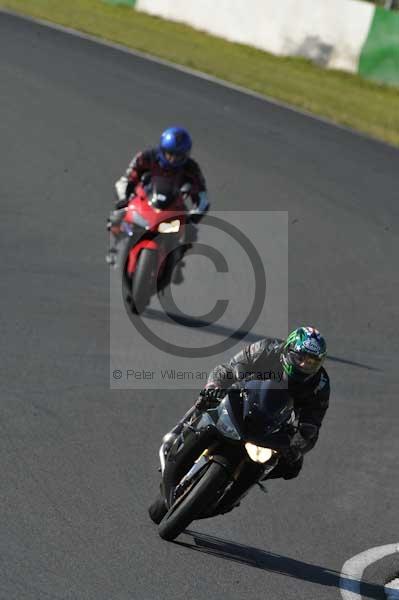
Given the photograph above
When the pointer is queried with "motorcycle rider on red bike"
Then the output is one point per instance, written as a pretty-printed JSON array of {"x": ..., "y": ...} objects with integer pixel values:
[{"x": 171, "y": 159}]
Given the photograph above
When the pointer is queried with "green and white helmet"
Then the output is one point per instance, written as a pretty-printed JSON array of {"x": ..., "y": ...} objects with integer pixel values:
[{"x": 303, "y": 353}]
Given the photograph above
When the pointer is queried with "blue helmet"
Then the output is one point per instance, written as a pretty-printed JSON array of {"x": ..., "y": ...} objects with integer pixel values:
[{"x": 174, "y": 147}]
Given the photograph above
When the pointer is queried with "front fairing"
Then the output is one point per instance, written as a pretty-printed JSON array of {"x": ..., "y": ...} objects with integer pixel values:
[
  {"x": 232, "y": 410},
  {"x": 221, "y": 421},
  {"x": 141, "y": 213}
]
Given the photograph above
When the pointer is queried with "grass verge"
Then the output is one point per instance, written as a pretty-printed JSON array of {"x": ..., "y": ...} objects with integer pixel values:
[{"x": 342, "y": 97}]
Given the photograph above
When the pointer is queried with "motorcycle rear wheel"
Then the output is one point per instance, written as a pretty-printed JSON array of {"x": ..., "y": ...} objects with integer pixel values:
[{"x": 204, "y": 493}]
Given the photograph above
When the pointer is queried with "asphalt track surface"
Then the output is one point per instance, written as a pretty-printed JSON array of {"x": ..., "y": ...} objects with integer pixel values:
[{"x": 78, "y": 462}]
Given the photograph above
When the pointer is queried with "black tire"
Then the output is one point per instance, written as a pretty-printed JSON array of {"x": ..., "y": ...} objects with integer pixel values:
[
  {"x": 126, "y": 287},
  {"x": 157, "y": 510},
  {"x": 198, "y": 498},
  {"x": 144, "y": 280}
]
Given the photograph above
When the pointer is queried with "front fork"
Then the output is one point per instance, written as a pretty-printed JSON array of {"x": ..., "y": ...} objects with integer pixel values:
[{"x": 247, "y": 475}]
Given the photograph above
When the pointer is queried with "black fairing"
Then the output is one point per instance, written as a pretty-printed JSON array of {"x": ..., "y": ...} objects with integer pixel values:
[
  {"x": 260, "y": 412},
  {"x": 184, "y": 452}
]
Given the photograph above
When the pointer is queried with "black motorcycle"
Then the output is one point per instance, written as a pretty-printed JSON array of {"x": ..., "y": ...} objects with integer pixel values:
[{"x": 221, "y": 454}]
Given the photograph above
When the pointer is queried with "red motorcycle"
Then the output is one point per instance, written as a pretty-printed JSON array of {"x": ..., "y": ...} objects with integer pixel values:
[{"x": 150, "y": 233}]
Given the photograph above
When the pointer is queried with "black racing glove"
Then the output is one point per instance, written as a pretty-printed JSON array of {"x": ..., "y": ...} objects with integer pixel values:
[{"x": 209, "y": 397}]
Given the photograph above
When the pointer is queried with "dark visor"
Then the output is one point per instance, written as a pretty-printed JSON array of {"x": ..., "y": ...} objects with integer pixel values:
[
  {"x": 305, "y": 362},
  {"x": 176, "y": 156}
]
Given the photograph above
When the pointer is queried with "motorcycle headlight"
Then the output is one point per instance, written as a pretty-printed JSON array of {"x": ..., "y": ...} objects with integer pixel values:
[
  {"x": 257, "y": 453},
  {"x": 169, "y": 227}
]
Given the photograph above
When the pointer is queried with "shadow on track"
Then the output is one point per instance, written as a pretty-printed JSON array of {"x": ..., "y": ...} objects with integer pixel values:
[
  {"x": 192, "y": 323},
  {"x": 276, "y": 563}
]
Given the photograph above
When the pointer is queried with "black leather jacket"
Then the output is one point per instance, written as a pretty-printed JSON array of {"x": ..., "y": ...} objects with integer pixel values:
[{"x": 261, "y": 360}]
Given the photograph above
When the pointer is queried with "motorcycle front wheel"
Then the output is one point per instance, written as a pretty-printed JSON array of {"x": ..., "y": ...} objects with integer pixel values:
[
  {"x": 200, "y": 496},
  {"x": 157, "y": 510},
  {"x": 144, "y": 280}
]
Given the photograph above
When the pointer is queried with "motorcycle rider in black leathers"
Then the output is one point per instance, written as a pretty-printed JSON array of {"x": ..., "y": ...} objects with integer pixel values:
[{"x": 297, "y": 361}]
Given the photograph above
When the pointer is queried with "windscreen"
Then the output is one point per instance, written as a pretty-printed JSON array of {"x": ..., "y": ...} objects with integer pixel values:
[
  {"x": 162, "y": 191},
  {"x": 266, "y": 409}
]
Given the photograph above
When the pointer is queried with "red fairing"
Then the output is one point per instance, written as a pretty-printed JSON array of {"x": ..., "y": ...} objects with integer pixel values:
[
  {"x": 135, "y": 251},
  {"x": 140, "y": 207},
  {"x": 140, "y": 212}
]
